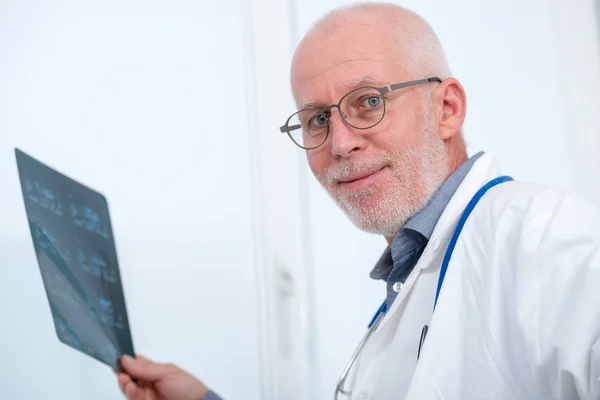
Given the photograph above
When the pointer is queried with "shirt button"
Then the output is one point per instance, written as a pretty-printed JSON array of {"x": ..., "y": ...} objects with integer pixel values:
[{"x": 397, "y": 286}]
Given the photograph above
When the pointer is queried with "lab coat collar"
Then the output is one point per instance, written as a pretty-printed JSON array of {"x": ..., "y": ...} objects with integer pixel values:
[
  {"x": 485, "y": 169},
  {"x": 423, "y": 222}
]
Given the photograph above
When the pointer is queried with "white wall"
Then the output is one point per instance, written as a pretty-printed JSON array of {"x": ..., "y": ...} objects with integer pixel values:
[
  {"x": 576, "y": 27},
  {"x": 504, "y": 53},
  {"x": 146, "y": 102},
  {"x": 285, "y": 273}
]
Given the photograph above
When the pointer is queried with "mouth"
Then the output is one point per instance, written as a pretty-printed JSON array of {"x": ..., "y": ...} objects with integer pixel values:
[{"x": 361, "y": 180}]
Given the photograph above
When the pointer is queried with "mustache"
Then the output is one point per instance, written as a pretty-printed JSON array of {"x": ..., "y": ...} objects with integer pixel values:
[{"x": 345, "y": 169}]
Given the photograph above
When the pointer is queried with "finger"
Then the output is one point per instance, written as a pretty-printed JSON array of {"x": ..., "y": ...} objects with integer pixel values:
[
  {"x": 140, "y": 394},
  {"x": 144, "y": 369},
  {"x": 123, "y": 379},
  {"x": 143, "y": 360},
  {"x": 135, "y": 392},
  {"x": 132, "y": 391}
]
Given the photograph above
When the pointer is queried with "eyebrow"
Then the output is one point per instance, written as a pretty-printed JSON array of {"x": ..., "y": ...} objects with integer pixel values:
[{"x": 368, "y": 80}]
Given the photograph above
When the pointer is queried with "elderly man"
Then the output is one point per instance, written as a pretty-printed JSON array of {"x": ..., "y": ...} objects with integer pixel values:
[{"x": 493, "y": 285}]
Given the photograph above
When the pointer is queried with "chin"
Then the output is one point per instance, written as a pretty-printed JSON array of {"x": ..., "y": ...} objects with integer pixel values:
[
  {"x": 379, "y": 225},
  {"x": 371, "y": 215},
  {"x": 382, "y": 212}
]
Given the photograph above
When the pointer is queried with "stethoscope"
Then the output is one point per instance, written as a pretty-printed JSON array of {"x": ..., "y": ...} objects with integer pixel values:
[{"x": 380, "y": 313}]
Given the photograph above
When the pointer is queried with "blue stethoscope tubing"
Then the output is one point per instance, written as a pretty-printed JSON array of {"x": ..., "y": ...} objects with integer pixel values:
[
  {"x": 461, "y": 223},
  {"x": 377, "y": 318}
]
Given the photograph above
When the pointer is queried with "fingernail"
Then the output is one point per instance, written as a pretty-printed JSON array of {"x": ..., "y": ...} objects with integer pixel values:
[{"x": 128, "y": 358}]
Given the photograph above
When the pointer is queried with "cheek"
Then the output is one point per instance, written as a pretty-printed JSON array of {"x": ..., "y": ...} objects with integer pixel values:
[
  {"x": 402, "y": 127},
  {"x": 403, "y": 120},
  {"x": 317, "y": 161},
  {"x": 397, "y": 135}
]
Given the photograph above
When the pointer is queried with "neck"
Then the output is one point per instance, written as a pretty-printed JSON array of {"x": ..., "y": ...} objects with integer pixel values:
[{"x": 457, "y": 153}]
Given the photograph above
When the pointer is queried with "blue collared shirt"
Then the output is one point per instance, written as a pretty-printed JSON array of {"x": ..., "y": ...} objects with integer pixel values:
[{"x": 399, "y": 259}]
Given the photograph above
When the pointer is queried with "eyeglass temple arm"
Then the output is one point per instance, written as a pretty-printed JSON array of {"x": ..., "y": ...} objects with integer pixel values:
[
  {"x": 411, "y": 83},
  {"x": 285, "y": 129}
]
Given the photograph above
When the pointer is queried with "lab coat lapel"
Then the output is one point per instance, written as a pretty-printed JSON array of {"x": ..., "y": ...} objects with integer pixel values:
[
  {"x": 483, "y": 171},
  {"x": 389, "y": 359}
]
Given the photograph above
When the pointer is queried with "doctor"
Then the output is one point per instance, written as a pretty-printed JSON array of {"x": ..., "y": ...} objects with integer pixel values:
[{"x": 493, "y": 285}]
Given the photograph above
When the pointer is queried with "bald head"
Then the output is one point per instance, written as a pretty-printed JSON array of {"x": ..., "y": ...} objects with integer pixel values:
[{"x": 405, "y": 37}]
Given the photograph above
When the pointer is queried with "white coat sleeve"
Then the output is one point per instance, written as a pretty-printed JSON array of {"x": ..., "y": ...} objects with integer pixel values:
[{"x": 558, "y": 294}]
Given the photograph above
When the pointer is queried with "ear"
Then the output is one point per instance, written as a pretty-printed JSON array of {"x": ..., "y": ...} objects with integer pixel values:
[{"x": 451, "y": 105}]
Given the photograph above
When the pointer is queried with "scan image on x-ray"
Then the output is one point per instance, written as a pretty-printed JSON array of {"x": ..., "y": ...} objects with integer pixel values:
[{"x": 74, "y": 245}]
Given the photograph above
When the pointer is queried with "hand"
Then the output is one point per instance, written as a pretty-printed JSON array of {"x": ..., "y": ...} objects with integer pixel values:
[{"x": 157, "y": 381}]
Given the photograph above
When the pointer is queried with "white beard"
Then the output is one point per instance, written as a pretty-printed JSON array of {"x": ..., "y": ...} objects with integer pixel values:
[{"x": 417, "y": 174}]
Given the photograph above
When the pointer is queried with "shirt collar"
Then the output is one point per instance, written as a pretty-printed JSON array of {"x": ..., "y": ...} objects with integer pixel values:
[{"x": 425, "y": 220}]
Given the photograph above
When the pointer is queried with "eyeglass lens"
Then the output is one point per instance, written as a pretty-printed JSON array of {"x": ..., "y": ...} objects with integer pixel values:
[{"x": 362, "y": 109}]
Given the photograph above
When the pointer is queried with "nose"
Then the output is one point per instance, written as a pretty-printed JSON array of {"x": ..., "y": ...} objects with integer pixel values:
[{"x": 345, "y": 140}]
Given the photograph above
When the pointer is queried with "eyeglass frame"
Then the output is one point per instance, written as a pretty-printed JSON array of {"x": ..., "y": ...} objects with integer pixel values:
[{"x": 382, "y": 90}]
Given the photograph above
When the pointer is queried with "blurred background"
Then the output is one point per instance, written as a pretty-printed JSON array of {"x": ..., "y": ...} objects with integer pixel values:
[{"x": 235, "y": 263}]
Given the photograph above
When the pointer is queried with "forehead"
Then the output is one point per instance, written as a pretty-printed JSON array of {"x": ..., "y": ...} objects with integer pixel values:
[
  {"x": 313, "y": 95},
  {"x": 325, "y": 67}
]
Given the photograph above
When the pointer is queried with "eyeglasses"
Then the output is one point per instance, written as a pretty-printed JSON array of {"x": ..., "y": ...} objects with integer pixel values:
[{"x": 362, "y": 108}]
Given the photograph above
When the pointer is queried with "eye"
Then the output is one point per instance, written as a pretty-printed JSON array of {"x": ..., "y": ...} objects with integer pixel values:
[
  {"x": 319, "y": 120},
  {"x": 373, "y": 101}
]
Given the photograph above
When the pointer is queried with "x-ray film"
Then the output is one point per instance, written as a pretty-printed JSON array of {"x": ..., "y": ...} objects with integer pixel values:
[{"x": 74, "y": 244}]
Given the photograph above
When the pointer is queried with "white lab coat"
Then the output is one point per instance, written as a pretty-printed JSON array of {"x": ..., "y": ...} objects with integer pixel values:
[{"x": 518, "y": 316}]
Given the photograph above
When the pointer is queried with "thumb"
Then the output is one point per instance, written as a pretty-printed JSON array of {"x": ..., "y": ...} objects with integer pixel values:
[{"x": 143, "y": 368}]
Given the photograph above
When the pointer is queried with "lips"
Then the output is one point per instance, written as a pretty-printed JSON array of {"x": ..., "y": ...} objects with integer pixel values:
[
  {"x": 363, "y": 175},
  {"x": 363, "y": 180}
]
